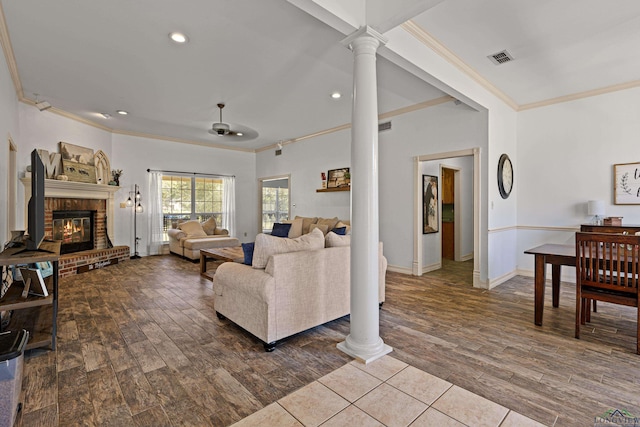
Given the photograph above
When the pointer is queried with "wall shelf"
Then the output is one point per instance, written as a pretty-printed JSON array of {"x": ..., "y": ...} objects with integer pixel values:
[{"x": 331, "y": 190}]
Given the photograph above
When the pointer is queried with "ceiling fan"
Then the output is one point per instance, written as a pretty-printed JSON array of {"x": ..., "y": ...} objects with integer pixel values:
[{"x": 223, "y": 129}]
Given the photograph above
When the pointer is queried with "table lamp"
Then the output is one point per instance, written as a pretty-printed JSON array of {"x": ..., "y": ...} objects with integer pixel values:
[{"x": 596, "y": 208}]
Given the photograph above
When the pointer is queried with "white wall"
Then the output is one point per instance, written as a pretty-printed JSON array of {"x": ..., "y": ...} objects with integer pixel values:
[
  {"x": 436, "y": 129},
  {"x": 134, "y": 155},
  {"x": 305, "y": 161},
  {"x": 566, "y": 154},
  {"x": 8, "y": 128}
]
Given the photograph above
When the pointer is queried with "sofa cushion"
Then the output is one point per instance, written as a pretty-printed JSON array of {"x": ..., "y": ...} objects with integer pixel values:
[
  {"x": 296, "y": 227},
  {"x": 322, "y": 227},
  {"x": 333, "y": 240},
  {"x": 248, "y": 248},
  {"x": 267, "y": 245},
  {"x": 280, "y": 229},
  {"x": 192, "y": 228},
  {"x": 209, "y": 226},
  {"x": 329, "y": 222},
  {"x": 306, "y": 223},
  {"x": 209, "y": 242}
]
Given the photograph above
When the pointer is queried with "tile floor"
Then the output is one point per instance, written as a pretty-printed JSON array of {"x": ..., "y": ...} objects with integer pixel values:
[{"x": 386, "y": 392}]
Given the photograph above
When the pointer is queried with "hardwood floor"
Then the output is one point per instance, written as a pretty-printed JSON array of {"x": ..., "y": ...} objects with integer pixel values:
[{"x": 140, "y": 345}]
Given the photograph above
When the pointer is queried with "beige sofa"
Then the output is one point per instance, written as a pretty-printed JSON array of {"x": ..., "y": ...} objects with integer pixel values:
[
  {"x": 284, "y": 293},
  {"x": 189, "y": 237}
]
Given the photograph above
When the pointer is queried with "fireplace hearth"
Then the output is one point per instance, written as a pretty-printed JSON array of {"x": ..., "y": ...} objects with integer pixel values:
[{"x": 75, "y": 229}]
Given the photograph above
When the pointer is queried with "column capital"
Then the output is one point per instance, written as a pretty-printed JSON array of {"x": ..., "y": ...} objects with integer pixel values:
[{"x": 363, "y": 32}]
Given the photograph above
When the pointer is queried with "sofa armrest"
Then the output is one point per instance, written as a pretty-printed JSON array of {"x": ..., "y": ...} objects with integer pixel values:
[
  {"x": 175, "y": 233},
  {"x": 237, "y": 277},
  {"x": 221, "y": 231}
]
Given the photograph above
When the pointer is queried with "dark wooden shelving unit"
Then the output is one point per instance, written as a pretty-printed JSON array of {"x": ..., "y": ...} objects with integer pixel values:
[{"x": 36, "y": 314}]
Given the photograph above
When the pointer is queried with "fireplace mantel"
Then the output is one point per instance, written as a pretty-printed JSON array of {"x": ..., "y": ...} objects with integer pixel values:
[{"x": 75, "y": 190}]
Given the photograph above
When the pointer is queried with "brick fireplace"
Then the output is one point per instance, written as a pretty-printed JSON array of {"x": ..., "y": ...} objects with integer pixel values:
[{"x": 79, "y": 196}]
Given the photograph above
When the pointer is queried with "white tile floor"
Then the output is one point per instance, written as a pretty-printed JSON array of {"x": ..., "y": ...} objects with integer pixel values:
[{"x": 386, "y": 392}]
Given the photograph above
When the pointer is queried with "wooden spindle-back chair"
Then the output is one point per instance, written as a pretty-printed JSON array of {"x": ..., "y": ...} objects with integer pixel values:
[{"x": 607, "y": 269}]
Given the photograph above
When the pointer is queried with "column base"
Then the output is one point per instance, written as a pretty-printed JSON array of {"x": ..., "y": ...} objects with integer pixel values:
[{"x": 364, "y": 354}]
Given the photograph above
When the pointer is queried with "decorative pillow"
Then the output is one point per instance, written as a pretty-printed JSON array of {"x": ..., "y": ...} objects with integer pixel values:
[
  {"x": 209, "y": 226},
  {"x": 267, "y": 246},
  {"x": 346, "y": 224},
  {"x": 329, "y": 222},
  {"x": 322, "y": 227},
  {"x": 340, "y": 231},
  {"x": 248, "y": 248},
  {"x": 280, "y": 230},
  {"x": 333, "y": 240},
  {"x": 192, "y": 228},
  {"x": 296, "y": 227},
  {"x": 306, "y": 223}
]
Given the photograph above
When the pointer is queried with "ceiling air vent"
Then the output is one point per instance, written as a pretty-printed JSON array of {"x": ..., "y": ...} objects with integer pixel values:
[
  {"x": 500, "y": 57},
  {"x": 384, "y": 126}
]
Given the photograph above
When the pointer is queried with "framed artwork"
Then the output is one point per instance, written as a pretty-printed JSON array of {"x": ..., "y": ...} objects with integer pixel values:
[
  {"x": 627, "y": 184},
  {"x": 430, "y": 211},
  {"x": 338, "y": 178},
  {"x": 78, "y": 163}
]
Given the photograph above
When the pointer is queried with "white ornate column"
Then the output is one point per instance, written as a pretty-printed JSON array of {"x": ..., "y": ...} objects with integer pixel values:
[{"x": 364, "y": 342}]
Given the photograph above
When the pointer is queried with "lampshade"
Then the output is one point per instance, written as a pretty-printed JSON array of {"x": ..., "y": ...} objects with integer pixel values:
[
  {"x": 595, "y": 207},
  {"x": 139, "y": 208},
  {"x": 129, "y": 202}
]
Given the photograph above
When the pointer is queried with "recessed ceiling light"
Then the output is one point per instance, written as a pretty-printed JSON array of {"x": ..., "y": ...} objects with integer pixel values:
[
  {"x": 178, "y": 37},
  {"x": 106, "y": 115},
  {"x": 336, "y": 95},
  {"x": 239, "y": 133},
  {"x": 122, "y": 112}
]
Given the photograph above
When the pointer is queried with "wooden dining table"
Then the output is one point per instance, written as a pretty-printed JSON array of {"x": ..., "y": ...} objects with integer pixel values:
[{"x": 557, "y": 255}]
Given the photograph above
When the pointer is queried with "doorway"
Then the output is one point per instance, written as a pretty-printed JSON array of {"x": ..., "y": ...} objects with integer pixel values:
[
  {"x": 448, "y": 241},
  {"x": 474, "y": 156},
  {"x": 274, "y": 203}
]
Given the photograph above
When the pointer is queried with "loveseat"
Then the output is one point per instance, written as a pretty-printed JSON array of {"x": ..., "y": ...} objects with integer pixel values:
[
  {"x": 189, "y": 237},
  {"x": 291, "y": 286}
]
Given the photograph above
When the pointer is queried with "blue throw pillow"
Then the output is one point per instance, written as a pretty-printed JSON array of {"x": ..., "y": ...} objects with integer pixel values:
[
  {"x": 280, "y": 230},
  {"x": 341, "y": 231},
  {"x": 247, "y": 248}
]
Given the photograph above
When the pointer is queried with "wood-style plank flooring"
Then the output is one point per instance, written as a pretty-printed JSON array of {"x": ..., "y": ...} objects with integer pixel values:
[{"x": 139, "y": 345}]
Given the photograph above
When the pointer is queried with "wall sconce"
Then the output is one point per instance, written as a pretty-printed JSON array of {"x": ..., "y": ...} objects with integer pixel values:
[
  {"x": 134, "y": 200},
  {"x": 596, "y": 207}
]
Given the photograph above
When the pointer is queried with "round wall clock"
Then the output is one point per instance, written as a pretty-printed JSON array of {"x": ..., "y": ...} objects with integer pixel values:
[{"x": 505, "y": 176}]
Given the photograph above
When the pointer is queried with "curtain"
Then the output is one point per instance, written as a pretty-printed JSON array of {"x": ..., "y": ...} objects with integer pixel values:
[
  {"x": 229, "y": 204},
  {"x": 156, "y": 219}
]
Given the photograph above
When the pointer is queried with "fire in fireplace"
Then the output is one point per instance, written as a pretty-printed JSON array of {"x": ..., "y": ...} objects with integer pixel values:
[{"x": 74, "y": 229}]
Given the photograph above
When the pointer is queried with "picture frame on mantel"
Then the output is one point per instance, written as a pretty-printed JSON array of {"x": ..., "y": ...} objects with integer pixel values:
[
  {"x": 626, "y": 189},
  {"x": 338, "y": 178},
  {"x": 78, "y": 163}
]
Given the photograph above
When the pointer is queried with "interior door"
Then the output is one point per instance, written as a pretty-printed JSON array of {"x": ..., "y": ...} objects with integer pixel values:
[{"x": 448, "y": 218}]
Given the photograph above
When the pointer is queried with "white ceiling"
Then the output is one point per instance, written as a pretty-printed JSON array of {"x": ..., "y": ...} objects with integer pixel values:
[{"x": 275, "y": 66}]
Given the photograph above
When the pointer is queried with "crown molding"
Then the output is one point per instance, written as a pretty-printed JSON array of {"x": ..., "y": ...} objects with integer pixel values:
[
  {"x": 383, "y": 116},
  {"x": 9, "y": 57},
  {"x": 434, "y": 44},
  {"x": 580, "y": 95}
]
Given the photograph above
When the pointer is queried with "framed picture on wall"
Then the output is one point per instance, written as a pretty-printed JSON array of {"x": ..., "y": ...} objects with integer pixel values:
[
  {"x": 627, "y": 184},
  {"x": 338, "y": 178},
  {"x": 430, "y": 211}
]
